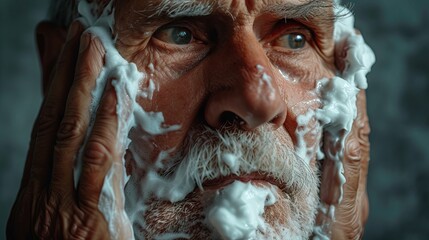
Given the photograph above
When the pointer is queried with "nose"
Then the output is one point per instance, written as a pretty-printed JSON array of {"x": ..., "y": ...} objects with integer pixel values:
[{"x": 245, "y": 86}]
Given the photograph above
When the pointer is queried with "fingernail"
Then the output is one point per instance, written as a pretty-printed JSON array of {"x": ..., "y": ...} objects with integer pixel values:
[
  {"x": 73, "y": 30},
  {"x": 84, "y": 41}
]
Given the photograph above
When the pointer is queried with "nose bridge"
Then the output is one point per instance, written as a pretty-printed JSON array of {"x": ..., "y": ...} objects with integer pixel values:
[
  {"x": 248, "y": 89},
  {"x": 246, "y": 53}
]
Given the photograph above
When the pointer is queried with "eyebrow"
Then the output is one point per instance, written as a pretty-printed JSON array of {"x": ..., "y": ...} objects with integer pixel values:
[
  {"x": 318, "y": 9},
  {"x": 314, "y": 10},
  {"x": 176, "y": 9},
  {"x": 319, "y": 15}
]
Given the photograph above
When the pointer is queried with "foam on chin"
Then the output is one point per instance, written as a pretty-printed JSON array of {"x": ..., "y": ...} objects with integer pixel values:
[
  {"x": 236, "y": 211},
  {"x": 228, "y": 155}
]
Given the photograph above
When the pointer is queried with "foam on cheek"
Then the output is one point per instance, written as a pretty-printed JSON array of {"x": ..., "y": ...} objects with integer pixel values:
[
  {"x": 265, "y": 81},
  {"x": 232, "y": 213},
  {"x": 148, "y": 93},
  {"x": 339, "y": 110},
  {"x": 303, "y": 132},
  {"x": 236, "y": 211},
  {"x": 125, "y": 78}
]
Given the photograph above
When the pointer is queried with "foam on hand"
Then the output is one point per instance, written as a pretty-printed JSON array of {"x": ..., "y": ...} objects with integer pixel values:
[
  {"x": 338, "y": 96},
  {"x": 125, "y": 78}
]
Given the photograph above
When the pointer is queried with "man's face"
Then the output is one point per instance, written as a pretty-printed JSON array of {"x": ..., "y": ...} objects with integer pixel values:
[{"x": 239, "y": 78}]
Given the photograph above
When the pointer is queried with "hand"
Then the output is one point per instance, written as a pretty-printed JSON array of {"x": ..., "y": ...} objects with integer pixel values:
[
  {"x": 48, "y": 206},
  {"x": 352, "y": 213}
]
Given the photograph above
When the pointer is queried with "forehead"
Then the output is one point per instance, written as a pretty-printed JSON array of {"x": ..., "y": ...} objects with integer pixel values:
[{"x": 179, "y": 8}]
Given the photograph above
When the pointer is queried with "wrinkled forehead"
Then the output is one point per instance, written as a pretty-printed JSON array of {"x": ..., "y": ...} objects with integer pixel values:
[
  {"x": 177, "y": 8},
  {"x": 142, "y": 16}
]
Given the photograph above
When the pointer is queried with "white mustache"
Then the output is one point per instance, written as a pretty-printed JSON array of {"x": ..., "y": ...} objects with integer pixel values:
[{"x": 203, "y": 158}]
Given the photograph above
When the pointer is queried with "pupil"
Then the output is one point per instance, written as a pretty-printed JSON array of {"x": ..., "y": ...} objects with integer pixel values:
[
  {"x": 296, "y": 41},
  {"x": 181, "y": 36}
]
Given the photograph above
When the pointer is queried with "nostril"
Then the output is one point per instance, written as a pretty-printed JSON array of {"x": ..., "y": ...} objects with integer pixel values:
[
  {"x": 243, "y": 108},
  {"x": 278, "y": 120},
  {"x": 230, "y": 118}
]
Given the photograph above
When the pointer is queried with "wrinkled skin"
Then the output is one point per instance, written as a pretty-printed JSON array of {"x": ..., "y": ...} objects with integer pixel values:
[
  {"x": 353, "y": 211},
  {"x": 49, "y": 207},
  {"x": 352, "y": 214}
]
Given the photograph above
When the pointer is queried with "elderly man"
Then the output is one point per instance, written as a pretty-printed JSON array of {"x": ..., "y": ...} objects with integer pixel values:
[{"x": 194, "y": 119}]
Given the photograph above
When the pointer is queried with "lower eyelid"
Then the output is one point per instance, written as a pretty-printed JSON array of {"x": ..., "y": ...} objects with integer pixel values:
[{"x": 168, "y": 48}]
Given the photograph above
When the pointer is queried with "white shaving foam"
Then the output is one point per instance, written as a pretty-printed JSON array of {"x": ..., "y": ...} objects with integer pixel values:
[
  {"x": 238, "y": 200},
  {"x": 126, "y": 79},
  {"x": 265, "y": 81},
  {"x": 338, "y": 97},
  {"x": 236, "y": 211}
]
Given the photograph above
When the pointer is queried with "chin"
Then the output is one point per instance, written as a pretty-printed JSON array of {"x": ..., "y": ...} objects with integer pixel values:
[
  {"x": 291, "y": 217},
  {"x": 269, "y": 165}
]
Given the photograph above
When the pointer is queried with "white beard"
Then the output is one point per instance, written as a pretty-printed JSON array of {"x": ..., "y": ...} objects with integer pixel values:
[{"x": 264, "y": 151}]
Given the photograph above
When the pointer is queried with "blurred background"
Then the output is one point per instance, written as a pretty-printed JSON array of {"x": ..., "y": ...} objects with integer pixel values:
[{"x": 398, "y": 97}]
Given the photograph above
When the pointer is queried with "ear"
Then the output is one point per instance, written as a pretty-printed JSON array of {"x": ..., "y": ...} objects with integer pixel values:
[{"x": 50, "y": 39}]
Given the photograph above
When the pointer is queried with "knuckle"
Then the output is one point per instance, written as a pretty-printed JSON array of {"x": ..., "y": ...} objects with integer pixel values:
[
  {"x": 80, "y": 233},
  {"x": 77, "y": 229},
  {"x": 85, "y": 226},
  {"x": 48, "y": 118},
  {"x": 353, "y": 150},
  {"x": 84, "y": 71},
  {"x": 97, "y": 154},
  {"x": 70, "y": 129},
  {"x": 45, "y": 221}
]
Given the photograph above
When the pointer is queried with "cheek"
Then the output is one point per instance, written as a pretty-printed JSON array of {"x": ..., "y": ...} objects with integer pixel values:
[
  {"x": 178, "y": 100},
  {"x": 169, "y": 90},
  {"x": 298, "y": 87},
  {"x": 302, "y": 68}
]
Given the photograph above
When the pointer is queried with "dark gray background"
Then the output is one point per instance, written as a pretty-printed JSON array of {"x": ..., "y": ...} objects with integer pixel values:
[{"x": 398, "y": 98}]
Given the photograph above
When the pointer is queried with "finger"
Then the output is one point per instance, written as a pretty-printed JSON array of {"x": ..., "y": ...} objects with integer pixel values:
[
  {"x": 26, "y": 176},
  {"x": 100, "y": 152},
  {"x": 53, "y": 107},
  {"x": 74, "y": 125},
  {"x": 356, "y": 155},
  {"x": 363, "y": 136},
  {"x": 351, "y": 214},
  {"x": 354, "y": 163},
  {"x": 332, "y": 181}
]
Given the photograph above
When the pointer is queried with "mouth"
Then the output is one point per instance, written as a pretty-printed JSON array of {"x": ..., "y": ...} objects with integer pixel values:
[{"x": 257, "y": 178}]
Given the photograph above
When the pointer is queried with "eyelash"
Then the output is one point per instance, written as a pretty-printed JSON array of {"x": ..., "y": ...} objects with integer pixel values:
[
  {"x": 282, "y": 28},
  {"x": 287, "y": 26},
  {"x": 198, "y": 36}
]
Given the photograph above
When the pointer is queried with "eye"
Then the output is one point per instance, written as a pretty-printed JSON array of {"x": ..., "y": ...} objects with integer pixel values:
[
  {"x": 291, "y": 40},
  {"x": 175, "y": 35}
]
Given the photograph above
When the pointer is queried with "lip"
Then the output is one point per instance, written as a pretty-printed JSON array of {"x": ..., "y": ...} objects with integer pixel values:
[{"x": 221, "y": 182}]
